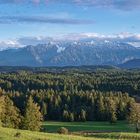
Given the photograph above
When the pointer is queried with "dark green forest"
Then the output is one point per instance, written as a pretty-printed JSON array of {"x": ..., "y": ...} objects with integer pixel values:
[{"x": 73, "y": 94}]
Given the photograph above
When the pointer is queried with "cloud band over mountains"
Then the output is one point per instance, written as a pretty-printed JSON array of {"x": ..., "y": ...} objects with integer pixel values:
[
  {"x": 39, "y": 19},
  {"x": 116, "y": 4},
  {"x": 133, "y": 39}
]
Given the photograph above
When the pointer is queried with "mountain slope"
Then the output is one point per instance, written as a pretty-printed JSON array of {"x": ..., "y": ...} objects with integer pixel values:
[
  {"x": 134, "y": 63},
  {"x": 70, "y": 54}
]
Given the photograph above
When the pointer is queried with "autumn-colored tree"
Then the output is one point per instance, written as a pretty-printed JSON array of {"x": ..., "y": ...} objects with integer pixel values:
[
  {"x": 1, "y": 108},
  {"x": 44, "y": 110},
  {"x": 71, "y": 117},
  {"x": 83, "y": 115},
  {"x": 134, "y": 116},
  {"x": 65, "y": 115},
  {"x": 33, "y": 117},
  {"x": 10, "y": 115}
]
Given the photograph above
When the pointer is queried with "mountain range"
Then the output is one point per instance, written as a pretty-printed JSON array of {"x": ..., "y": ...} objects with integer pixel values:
[
  {"x": 135, "y": 63},
  {"x": 70, "y": 53}
]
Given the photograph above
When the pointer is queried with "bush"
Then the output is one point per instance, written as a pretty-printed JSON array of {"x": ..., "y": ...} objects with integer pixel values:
[
  {"x": 43, "y": 129},
  {"x": 18, "y": 134},
  {"x": 63, "y": 130}
]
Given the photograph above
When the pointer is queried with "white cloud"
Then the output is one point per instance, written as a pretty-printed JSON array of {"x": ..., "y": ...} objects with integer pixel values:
[
  {"x": 133, "y": 39},
  {"x": 125, "y": 36},
  {"x": 43, "y": 20},
  {"x": 34, "y": 40},
  {"x": 9, "y": 44}
]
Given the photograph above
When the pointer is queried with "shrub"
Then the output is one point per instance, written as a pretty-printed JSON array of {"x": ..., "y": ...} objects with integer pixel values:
[
  {"x": 18, "y": 134},
  {"x": 63, "y": 130},
  {"x": 43, "y": 129}
]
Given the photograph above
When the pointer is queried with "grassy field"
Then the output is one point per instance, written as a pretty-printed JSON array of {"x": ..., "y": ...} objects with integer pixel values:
[
  {"x": 89, "y": 126},
  {"x": 78, "y": 130},
  {"x": 13, "y": 134}
]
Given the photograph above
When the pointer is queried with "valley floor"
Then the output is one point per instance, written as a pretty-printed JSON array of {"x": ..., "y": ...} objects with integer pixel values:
[
  {"x": 120, "y": 126},
  {"x": 78, "y": 131}
]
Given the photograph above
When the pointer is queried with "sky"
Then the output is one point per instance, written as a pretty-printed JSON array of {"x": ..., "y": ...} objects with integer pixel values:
[{"x": 37, "y": 19}]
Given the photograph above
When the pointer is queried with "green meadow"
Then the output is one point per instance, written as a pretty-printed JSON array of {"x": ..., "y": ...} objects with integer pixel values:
[
  {"x": 120, "y": 126},
  {"x": 13, "y": 134},
  {"x": 78, "y": 131}
]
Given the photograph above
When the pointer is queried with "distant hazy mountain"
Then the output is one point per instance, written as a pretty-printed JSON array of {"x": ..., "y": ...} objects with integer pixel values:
[
  {"x": 135, "y": 63},
  {"x": 71, "y": 53}
]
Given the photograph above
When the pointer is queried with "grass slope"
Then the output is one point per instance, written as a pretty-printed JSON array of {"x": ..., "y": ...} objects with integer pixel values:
[{"x": 10, "y": 134}]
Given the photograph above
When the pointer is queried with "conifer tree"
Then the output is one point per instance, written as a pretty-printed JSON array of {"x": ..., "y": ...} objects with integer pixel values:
[
  {"x": 83, "y": 115},
  {"x": 1, "y": 108},
  {"x": 65, "y": 115},
  {"x": 10, "y": 114},
  {"x": 100, "y": 108},
  {"x": 71, "y": 117},
  {"x": 33, "y": 117},
  {"x": 44, "y": 110},
  {"x": 112, "y": 111},
  {"x": 134, "y": 116}
]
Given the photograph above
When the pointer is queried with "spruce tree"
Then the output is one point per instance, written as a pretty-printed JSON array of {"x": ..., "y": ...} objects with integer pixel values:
[
  {"x": 83, "y": 115},
  {"x": 10, "y": 114},
  {"x": 71, "y": 117},
  {"x": 65, "y": 115},
  {"x": 112, "y": 111},
  {"x": 100, "y": 108},
  {"x": 44, "y": 110},
  {"x": 134, "y": 115},
  {"x": 1, "y": 108},
  {"x": 33, "y": 117}
]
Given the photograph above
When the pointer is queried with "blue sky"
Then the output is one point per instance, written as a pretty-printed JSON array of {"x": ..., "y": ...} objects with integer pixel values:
[{"x": 22, "y": 18}]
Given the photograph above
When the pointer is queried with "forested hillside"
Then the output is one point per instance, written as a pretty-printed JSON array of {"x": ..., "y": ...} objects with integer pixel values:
[{"x": 74, "y": 94}]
